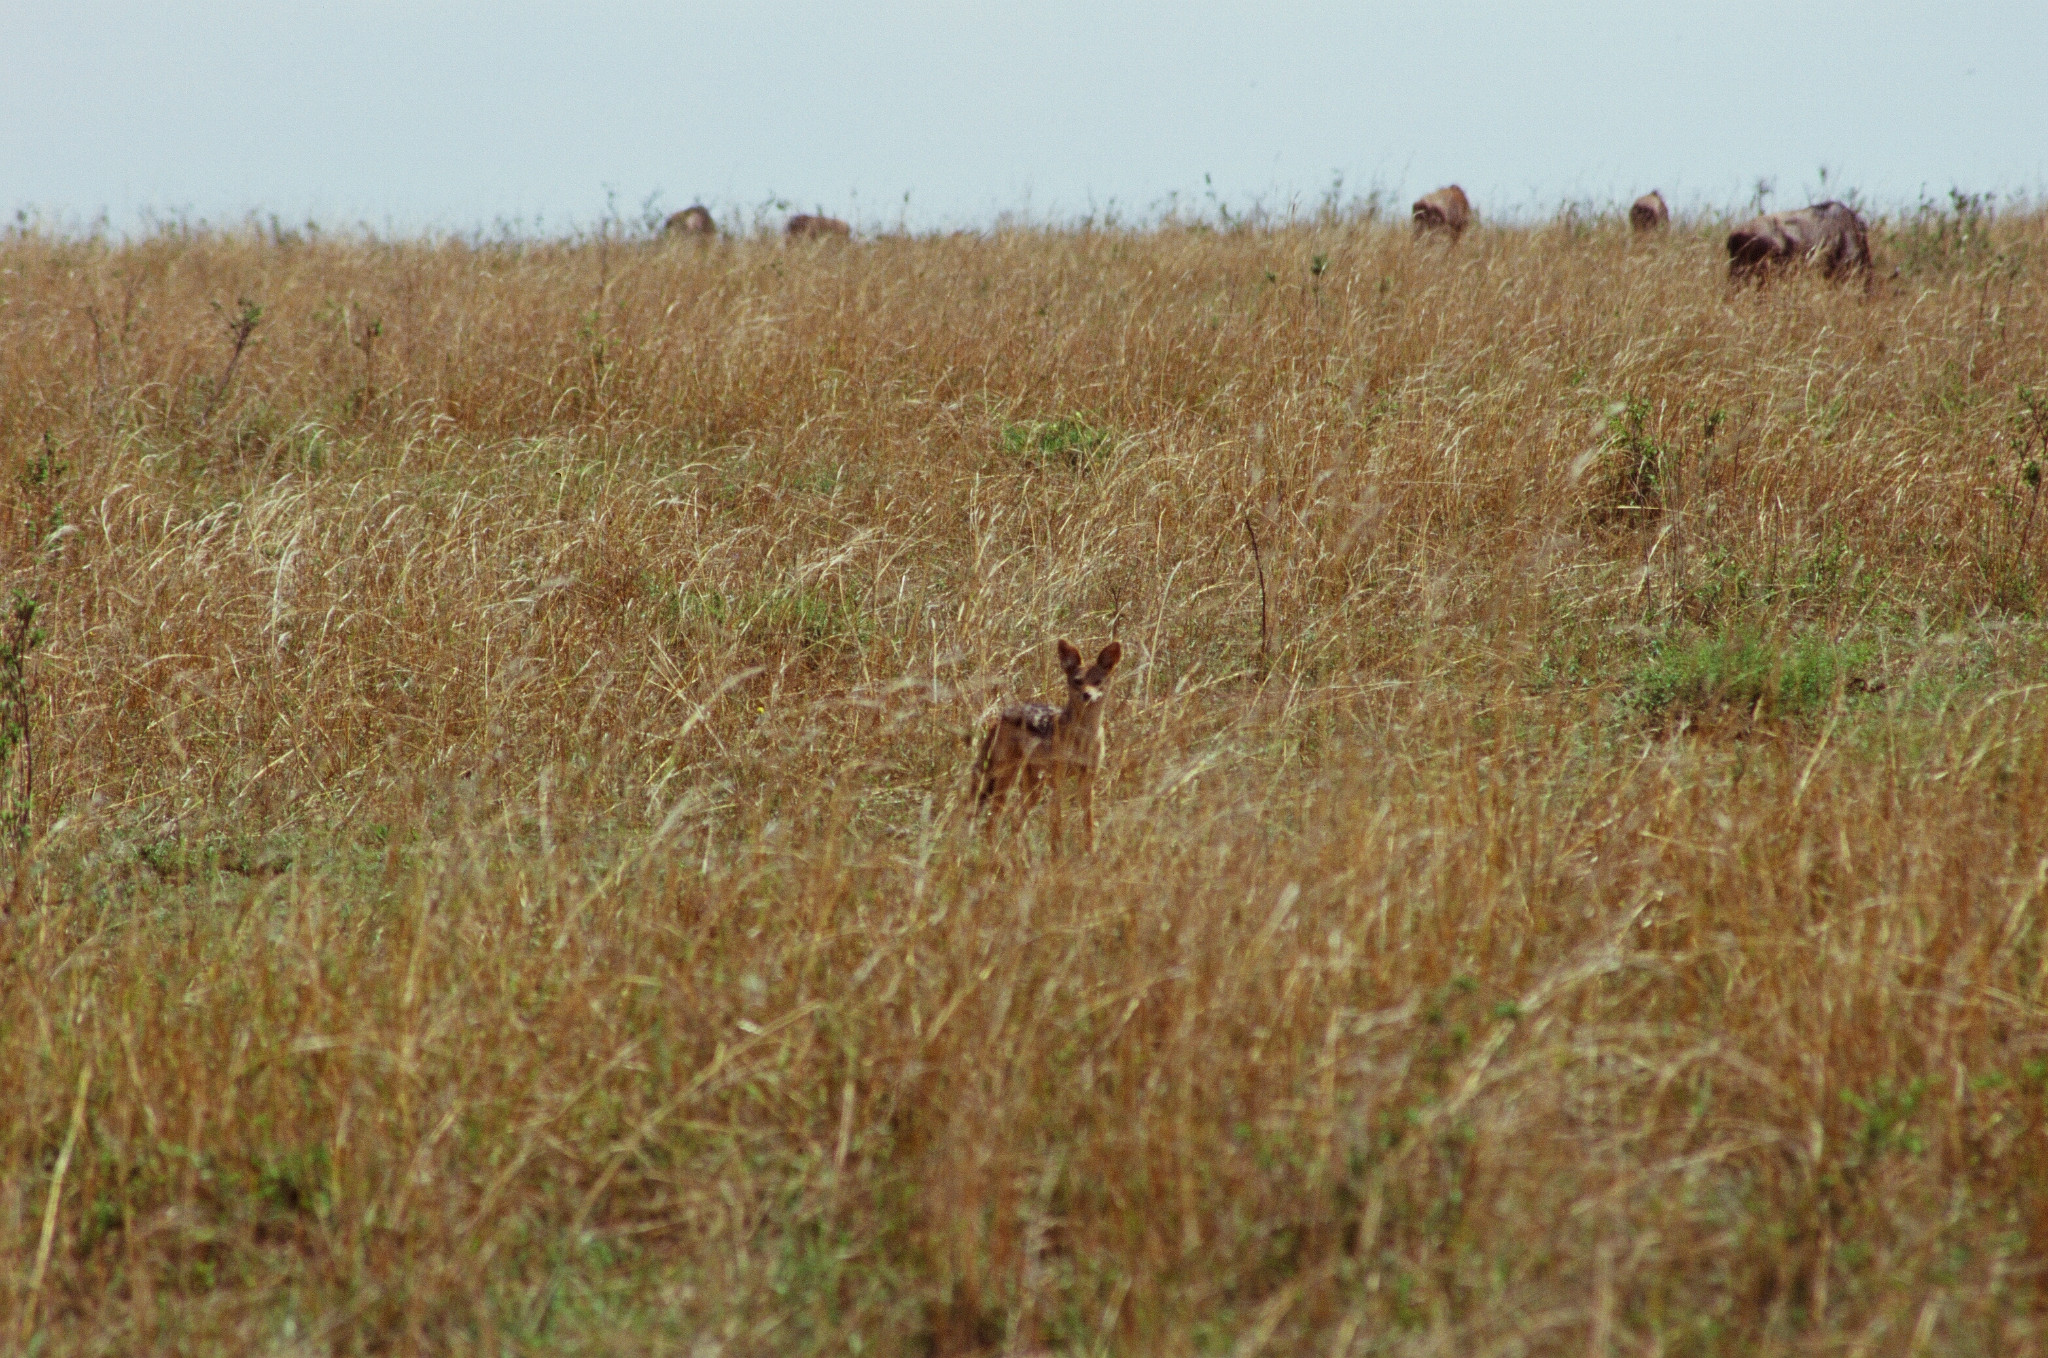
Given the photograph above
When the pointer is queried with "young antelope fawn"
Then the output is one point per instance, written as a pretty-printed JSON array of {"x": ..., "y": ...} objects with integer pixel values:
[{"x": 1036, "y": 743}]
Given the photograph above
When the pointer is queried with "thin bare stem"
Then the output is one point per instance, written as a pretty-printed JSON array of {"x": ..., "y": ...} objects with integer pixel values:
[{"x": 1259, "y": 563}]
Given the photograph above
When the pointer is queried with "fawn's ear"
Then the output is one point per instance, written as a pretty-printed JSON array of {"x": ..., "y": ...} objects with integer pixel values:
[
  {"x": 1106, "y": 659},
  {"x": 1070, "y": 659}
]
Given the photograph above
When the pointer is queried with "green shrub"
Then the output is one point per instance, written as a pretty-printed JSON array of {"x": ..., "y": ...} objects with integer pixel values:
[
  {"x": 1637, "y": 463},
  {"x": 1938, "y": 238}
]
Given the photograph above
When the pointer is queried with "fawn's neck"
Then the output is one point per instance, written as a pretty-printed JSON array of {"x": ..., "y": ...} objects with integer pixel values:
[{"x": 1081, "y": 716}]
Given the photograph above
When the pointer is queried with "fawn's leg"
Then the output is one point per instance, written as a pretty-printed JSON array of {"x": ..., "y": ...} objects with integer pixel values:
[
  {"x": 1087, "y": 777},
  {"x": 1059, "y": 796},
  {"x": 993, "y": 797},
  {"x": 1034, "y": 788}
]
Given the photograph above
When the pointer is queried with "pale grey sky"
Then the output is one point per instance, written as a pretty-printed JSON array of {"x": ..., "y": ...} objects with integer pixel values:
[{"x": 459, "y": 115}]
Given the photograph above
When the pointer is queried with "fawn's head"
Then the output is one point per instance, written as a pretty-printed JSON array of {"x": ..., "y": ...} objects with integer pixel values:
[{"x": 1086, "y": 687}]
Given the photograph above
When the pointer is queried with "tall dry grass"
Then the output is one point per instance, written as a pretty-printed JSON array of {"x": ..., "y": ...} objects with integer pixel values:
[{"x": 499, "y": 880}]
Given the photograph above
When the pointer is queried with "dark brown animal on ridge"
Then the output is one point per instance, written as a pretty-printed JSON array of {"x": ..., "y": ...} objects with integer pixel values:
[
  {"x": 1448, "y": 209},
  {"x": 1038, "y": 743},
  {"x": 1648, "y": 213},
  {"x": 692, "y": 223},
  {"x": 1829, "y": 234},
  {"x": 804, "y": 226}
]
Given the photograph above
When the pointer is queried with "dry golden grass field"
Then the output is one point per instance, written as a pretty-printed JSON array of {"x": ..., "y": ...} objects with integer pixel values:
[{"x": 499, "y": 877}]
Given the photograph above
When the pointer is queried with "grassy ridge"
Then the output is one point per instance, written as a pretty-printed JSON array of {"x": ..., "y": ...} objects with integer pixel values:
[{"x": 499, "y": 863}]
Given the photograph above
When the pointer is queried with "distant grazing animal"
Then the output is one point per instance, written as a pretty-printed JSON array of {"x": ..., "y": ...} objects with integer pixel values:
[
  {"x": 1649, "y": 213},
  {"x": 1037, "y": 743},
  {"x": 804, "y": 226},
  {"x": 1829, "y": 234},
  {"x": 1448, "y": 209},
  {"x": 693, "y": 223}
]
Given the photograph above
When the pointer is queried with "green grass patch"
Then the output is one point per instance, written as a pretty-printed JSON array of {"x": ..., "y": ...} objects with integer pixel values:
[
  {"x": 177, "y": 860},
  {"x": 1748, "y": 674},
  {"x": 807, "y": 618},
  {"x": 1076, "y": 442}
]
